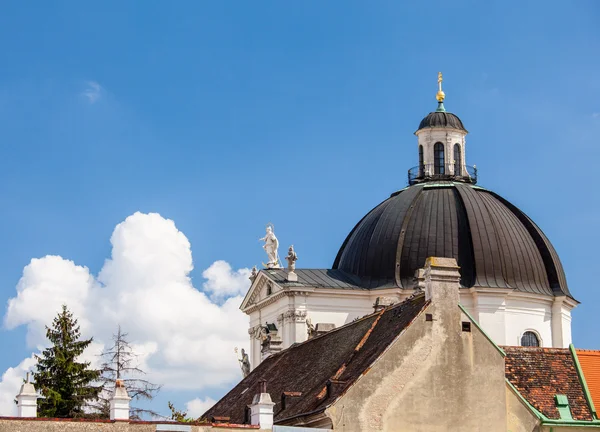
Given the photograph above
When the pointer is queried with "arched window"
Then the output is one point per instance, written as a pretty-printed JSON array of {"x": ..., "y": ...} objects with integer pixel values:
[
  {"x": 421, "y": 162},
  {"x": 530, "y": 339},
  {"x": 457, "y": 160},
  {"x": 438, "y": 158}
]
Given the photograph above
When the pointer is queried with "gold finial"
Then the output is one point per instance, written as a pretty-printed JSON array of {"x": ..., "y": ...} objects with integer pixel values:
[{"x": 440, "y": 95}]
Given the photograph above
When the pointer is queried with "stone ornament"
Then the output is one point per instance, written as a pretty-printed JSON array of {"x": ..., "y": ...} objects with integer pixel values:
[
  {"x": 253, "y": 274},
  {"x": 294, "y": 315},
  {"x": 291, "y": 258}
]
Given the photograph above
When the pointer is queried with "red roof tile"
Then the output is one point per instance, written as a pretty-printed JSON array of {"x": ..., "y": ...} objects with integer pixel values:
[{"x": 541, "y": 373}]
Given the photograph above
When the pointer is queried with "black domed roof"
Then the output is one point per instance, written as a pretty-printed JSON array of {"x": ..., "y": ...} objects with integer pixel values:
[
  {"x": 441, "y": 119},
  {"x": 495, "y": 244}
]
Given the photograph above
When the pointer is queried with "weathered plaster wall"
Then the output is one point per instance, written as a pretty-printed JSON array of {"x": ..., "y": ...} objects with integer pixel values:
[
  {"x": 434, "y": 377},
  {"x": 519, "y": 418}
]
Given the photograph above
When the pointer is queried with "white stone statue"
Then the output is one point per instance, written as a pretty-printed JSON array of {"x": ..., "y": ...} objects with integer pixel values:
[
  {"x": 271, "y": 245},
  {"x": 291, "y": 259},
  {"x": 244, "y": 363},
  {"x": 253, "y": 274}
]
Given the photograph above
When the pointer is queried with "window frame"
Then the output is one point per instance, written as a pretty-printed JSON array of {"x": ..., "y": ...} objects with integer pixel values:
[
  {"x": 535, "y": 334},
  {"x": 457, "y": 161}
]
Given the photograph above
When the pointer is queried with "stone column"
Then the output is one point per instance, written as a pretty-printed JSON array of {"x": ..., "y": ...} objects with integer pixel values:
[
  {"x": 27, "y": 400},
  {"x": 295, "y": 324},
  {"x": 261, "y": 410},
  {"x": 561, "y": 322},
  {"x": 119, "y": 402}
]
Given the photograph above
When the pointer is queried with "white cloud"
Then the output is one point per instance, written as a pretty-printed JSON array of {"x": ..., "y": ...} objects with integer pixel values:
[
  {"x": 184, "y": 340},
  {"x": 93, "y": 91},
  {"x": 11, "y": 383},
  {"x": 48, "y": 283},
  {"x": 222, "y": 281},
  {"x": 196, "y": 407}
]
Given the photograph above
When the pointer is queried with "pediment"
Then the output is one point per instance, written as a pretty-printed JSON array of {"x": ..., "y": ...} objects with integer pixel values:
[{"x": 261, "y": 288}]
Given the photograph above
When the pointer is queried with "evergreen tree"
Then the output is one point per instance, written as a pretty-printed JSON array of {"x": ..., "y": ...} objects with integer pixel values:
[
  {"x": 120, "y": 364},
  {"x": 65, "y": 383}
]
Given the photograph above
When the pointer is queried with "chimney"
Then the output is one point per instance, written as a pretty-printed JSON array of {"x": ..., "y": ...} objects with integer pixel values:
[
  {"x": 119, "y": 402},
  {"x": 442, "y": 281},
  {"x": 261, "y": 410},
  {"x": 27, "y": 400}
]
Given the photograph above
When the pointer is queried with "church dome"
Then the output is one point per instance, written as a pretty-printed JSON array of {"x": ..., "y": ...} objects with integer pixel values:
[
  {"x": 495, "y": 244},
  {"x": 441, "y": 119}
]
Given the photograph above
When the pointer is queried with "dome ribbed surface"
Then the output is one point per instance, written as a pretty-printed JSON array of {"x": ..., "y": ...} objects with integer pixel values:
[
  {"x": 495, "y": 244},
  {"x": 441, "y": 119}
]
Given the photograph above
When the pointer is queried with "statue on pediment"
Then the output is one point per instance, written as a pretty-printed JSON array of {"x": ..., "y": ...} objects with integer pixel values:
[{"x": 271, "y": 245}]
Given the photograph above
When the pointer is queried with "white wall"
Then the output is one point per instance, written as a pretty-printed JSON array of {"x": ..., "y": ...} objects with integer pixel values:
[{"x": 504, "y": 314}]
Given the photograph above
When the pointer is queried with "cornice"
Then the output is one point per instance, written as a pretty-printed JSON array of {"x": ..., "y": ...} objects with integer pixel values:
[{"x": 283, "y": 292}]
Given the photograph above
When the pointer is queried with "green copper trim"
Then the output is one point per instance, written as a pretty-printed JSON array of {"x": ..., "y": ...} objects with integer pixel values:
[
  {"x": 583, "y": 382},
  {"x": 478, "y": 187},
  {"x": 545, "y": 421},
  {"x": 437, "y": 185},
  {"x": 535, "y": 412},
  {"x": 563, "y": 407},
  {"x": 572, "y": 423},
  {"x": 440, "y": 107},
  {"x": 500, "y": 350}
]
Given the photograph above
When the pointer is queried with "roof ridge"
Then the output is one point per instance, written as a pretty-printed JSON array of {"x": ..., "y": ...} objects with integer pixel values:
[
  {"x": 588, "y": 351},
  {"x": 538, "y": 349}
]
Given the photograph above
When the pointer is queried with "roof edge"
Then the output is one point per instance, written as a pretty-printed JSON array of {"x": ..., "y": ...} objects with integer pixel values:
[
  {"x": 531, "y": 408},
  {"x": 398, "y": 336},
  {"x": 583, "y": 381},
  {"x": 500, "y": 350}
]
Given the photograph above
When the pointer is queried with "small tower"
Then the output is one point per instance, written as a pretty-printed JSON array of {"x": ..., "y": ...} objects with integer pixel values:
[
  {"x": 119, "y": 402},
  {"x": 441, "y": 144},
  {"x": 27, "y": 400},
  {"x": 261, "y": 409}
]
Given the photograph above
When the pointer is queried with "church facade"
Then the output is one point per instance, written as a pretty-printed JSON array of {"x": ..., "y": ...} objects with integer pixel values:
[{"x": 512, "y": 281}]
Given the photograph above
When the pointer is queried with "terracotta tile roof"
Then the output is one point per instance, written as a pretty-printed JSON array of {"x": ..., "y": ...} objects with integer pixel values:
[
  {"x": 320, "y": 369},
  {"x": 541, "y": 373},
  {"x": 590, "y": 364}
]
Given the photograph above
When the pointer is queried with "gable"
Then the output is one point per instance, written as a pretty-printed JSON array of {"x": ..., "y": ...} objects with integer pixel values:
[
  {"x": 319, "y": 370},
  {"x": 261, "y": 288}
]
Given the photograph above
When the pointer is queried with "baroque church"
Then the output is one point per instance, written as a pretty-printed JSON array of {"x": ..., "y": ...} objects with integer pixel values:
[
  {"x": 512, "y": 281},
  {"x": 445, "y": 309}
]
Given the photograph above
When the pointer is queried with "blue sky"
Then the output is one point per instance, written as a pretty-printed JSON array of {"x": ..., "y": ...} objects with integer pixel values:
[{"x": 224, "y": 116}]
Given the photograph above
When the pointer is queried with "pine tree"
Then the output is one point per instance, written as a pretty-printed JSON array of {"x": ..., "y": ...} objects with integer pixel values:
[
  {"x": 66, "y": 384},
  {"x": 120, "y": 363}
]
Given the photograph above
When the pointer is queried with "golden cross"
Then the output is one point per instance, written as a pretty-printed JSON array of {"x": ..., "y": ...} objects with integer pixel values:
[{"x": 440, "y": 94}]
